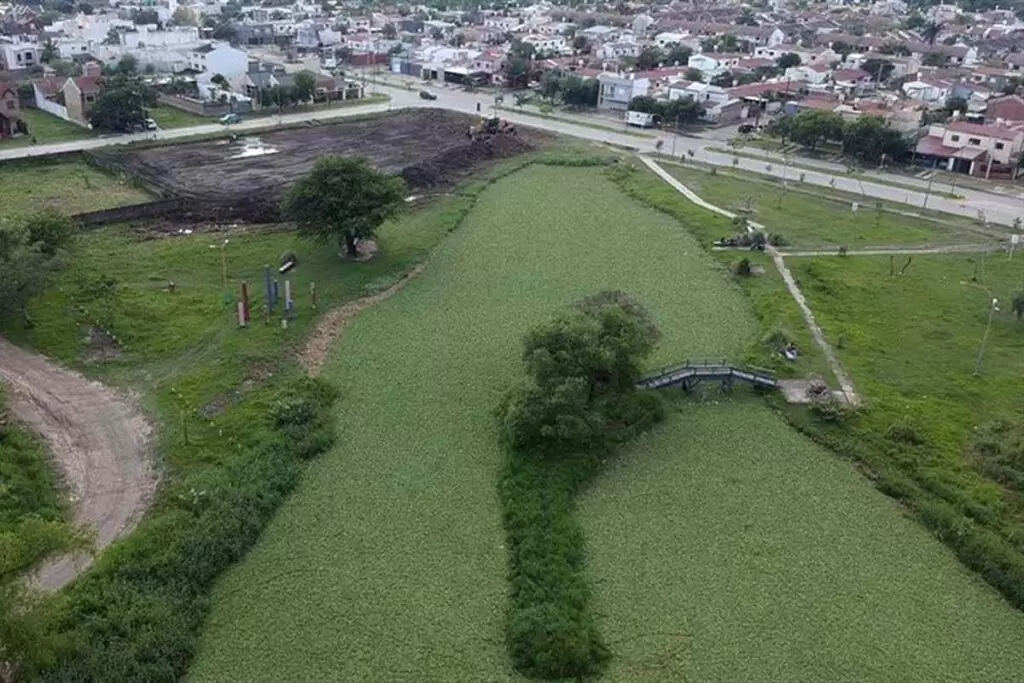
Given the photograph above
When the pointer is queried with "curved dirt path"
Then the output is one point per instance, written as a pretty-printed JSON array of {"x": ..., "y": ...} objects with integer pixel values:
[
  {"x": 330, "y": 327},
  {"x": 99, "y": 441}
]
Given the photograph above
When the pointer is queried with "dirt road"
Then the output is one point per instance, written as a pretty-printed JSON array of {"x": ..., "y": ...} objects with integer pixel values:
[{"x": 99, "y": 441}]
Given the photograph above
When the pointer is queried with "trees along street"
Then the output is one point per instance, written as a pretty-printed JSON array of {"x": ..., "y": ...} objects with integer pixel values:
[{"x": 1002, "y": 210}]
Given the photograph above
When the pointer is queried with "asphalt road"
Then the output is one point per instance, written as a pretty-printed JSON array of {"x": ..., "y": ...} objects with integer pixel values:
[{"x": 996, "y": 209}]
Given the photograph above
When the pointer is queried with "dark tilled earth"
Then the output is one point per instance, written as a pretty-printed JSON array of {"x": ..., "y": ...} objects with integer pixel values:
[{"x": 427, "y": 146}]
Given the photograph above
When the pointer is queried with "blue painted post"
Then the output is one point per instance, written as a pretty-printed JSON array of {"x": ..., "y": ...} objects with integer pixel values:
[{"x": 273, "y": 297}]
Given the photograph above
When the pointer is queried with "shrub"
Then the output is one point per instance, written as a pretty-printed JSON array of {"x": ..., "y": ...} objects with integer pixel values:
[
  {"x": 904, "y": 432},
  {"x": 289, "y": 257},
  {"x": 743, "y": 268},
  {"x": 136, "y": 615}
]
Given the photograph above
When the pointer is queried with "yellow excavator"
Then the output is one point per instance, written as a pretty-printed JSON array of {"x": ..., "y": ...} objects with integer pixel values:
[{"x": 489, "y": 127}]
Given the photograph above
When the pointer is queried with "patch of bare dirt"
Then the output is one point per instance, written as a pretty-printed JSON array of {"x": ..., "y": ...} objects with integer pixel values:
[
  {"x": 330, "y": 327},
  {"x": 99, "y": 441}
]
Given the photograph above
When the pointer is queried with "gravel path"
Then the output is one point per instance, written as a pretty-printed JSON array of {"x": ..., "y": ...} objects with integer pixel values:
[
  {"x": 819, "y": 337},
  {"x": 99, "y": 441}
]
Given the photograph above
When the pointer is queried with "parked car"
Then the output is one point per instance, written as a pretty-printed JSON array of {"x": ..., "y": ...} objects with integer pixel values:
[
  {"x": 230, "y": 118},
  {"x": 151, "y": 125},
  {"x": 746, "y": 128},
  {"x": 427, "y": 95}
]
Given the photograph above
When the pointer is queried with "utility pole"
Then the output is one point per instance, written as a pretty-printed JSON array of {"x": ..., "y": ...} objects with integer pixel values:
[{"x": 984, "y": 339}]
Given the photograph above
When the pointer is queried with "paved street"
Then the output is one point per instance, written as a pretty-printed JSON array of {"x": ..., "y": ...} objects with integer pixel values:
[{"x": 997, "y": 209}]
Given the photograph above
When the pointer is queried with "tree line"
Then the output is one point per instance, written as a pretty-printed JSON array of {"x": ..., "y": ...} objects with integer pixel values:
[{"x": 869, "y": 139}]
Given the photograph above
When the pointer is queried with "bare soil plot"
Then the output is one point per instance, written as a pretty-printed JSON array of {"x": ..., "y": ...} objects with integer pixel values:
[{"x": 429, "y": 147}]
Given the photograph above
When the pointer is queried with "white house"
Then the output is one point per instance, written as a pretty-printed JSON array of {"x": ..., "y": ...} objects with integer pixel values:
[
  {"x": 617, "y": 90},
  {"x": 708, "y": 66},
  {"x": 215, "y": 58},
  {"x": 815, "y": 74},
  {"x": 617, "y": 50},
  {"x": 928, "y": 89},
  {"x": 16, "y": 56},
  {"x": 143, "y": 36},
  {"x": 974, "y": 148},
  {"x": 542, "y": 43}
]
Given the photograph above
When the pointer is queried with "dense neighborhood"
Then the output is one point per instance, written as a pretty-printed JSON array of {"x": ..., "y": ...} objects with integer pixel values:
[{"x": 945, "y": 79}]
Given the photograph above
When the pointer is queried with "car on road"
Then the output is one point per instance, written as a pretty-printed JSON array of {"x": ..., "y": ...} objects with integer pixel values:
[
  {"x": 746, "y": 128},
  {"x": 427, "y": 95},
  {"x": 151, "y": 125},
  {"x": 230, "y": 118}
]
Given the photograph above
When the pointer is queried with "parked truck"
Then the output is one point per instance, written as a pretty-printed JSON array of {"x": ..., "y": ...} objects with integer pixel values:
[{"x": 640, "y": 119}]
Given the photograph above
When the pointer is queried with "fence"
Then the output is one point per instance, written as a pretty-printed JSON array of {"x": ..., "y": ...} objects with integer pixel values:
[{"x": 202, "y": 108}]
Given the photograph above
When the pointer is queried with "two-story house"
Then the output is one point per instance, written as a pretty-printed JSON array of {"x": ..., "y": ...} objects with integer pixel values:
[
  {"x": 815, "y": 74},
  {"x": 618, "y": 90},
  {"x": 547, "y": 44},
  {"x": 10, "y": 111},
  {"x": 973, "y": 148},
  {"x": 16, "y": 56},
  {"x": 79, "y": 94}
]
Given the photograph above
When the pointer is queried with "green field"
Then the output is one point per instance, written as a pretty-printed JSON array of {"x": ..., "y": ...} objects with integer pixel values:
[
  {"x": 812, "y": 218},
  {"x": 47, "y": 129},
  {"x": 911, "y": 343},
  {"x": 726, "y": 547},
  {"x": 66, "y": 186},
  {"x": 171, "y": 117},
  {"x": 387, "y": 563}
]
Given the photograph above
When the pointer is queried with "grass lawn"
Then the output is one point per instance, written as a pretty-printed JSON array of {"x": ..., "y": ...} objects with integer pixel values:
[
  {"x": 911, "y": 344},
  {"x": 387, "y": 564},
  {"x": 729, "y": 548},
  {"x": 67, "y": 186},
  {"x": 172, "y": 117},
  {"x": 817, "y": 220},
  {"x": 47, "y": 129}
]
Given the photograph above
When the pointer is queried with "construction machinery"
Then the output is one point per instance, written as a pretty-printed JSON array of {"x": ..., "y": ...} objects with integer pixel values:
[{"x": 489, "y": 127}]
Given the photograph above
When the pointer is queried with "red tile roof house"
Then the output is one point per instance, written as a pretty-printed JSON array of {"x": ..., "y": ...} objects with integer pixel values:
[
  {"x": 973, "y": 148},
  {"x": 1009, "y": 108},
  {"x": 10, "y": 111}
]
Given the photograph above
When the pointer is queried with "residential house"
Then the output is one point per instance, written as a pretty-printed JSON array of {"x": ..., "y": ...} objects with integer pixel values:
[
  {"x": 547, "y": 44},
  {"x": 959, "y": 55},
  {"x": 710, "y": 66},
  {"x": 929, "y": 90},
  {"x": 489, "y": 62},
  {"x": 619, "y": 49},
  {"x": 618, "y": 90},
  {"x": 853, "y": 81},
  {"x": 79, "y": 93},
  {"x": 806, "y": 55},
  {"x": 1008, "y": 108},
  {"x": 815, "y": 74},
  {"x": 10, "y": 111},
  {"x": 15, "y": 56},
  {"x": 1014, "y": 61},
  {"x": 255, "y": 33},
  {"x": 973, "y": 148},
  {"x": 214, "y": 58}
]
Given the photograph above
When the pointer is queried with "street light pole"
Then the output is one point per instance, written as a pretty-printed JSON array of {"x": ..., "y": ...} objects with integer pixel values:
[{"x": 984, "y": 339}]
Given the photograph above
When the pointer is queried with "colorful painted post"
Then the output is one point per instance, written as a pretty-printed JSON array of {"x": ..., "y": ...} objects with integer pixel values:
[
  {"x": 312, "y": 293},
  {"x": 245, "y": 300},
  {"x": 266, "y": 284},
  {"x": 241, "y": 314}
]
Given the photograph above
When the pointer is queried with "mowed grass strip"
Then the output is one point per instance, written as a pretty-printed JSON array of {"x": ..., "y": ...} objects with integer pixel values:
[
  {"x": 726, "y": 547},
  {"x": 389, "y": 564},
  {"x": 811, "y": 218},
  {"x": 68, "y": 186}
]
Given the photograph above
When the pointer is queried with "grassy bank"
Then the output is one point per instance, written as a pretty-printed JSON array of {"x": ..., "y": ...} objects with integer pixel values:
[
  {"x": 33, "y": 518},
  {"x": 821, "y": 219},
  {"x": 234, "y": 423},
  {"x": 68, "y": 185},
  {"x": 930, "y": 432}
]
